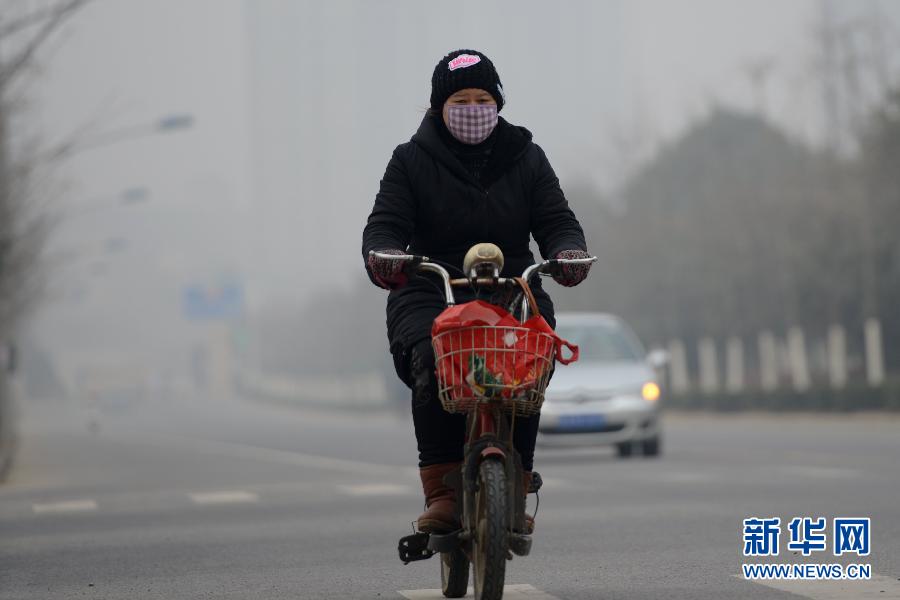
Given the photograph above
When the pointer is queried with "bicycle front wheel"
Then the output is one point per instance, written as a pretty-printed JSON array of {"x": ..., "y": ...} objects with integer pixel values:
[{"x": 490, "y": 549}]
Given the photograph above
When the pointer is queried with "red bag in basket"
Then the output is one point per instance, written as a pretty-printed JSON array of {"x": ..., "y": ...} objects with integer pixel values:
[{"x": 481, "y": 348}]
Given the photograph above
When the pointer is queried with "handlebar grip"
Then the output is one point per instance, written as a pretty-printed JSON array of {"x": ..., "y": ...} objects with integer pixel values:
[
  {"x": 414, "y": 258},
  {"x": 573, "y": 261}
]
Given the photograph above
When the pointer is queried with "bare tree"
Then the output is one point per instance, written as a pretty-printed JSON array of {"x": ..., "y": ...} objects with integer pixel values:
[{"x": 25, "y": 29}]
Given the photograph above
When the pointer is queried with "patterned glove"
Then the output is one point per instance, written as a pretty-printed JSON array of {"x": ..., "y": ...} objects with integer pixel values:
[
  {"x": 389, "y": 274},
  {"x": 570, "y": 275}
]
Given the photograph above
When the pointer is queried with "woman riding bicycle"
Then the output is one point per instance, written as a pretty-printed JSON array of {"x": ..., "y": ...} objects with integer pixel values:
[{"x": 466, "y": 176}]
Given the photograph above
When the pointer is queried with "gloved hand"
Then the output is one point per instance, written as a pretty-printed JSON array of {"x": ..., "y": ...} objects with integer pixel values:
[
  {"x": 570, "y": 275},
  {"x": 389, "y": 274}
]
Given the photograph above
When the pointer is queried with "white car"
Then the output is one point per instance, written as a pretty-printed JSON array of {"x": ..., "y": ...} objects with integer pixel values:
[{"x": 610, "y": 395}]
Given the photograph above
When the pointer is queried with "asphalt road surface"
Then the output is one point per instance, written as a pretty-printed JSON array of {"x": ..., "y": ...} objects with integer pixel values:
[{"x": 237, "y": 500}]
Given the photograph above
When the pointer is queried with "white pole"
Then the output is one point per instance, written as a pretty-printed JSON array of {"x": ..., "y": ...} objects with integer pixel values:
[
  {"x": 768, "y": 363},
  {"x": 837, "y": 356},
  {"x": 221, "y": 362},
  {"x": 797, "y": 359},
  {"x": 734, "y": 364},
  {"x": 874, "y": 355},
  {"x": 678, "y": 371},
  {"x": 709, "y": 375}
]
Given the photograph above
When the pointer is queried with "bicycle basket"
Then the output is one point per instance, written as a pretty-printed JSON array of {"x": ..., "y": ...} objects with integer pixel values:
[{"x": 509, "y": 365}]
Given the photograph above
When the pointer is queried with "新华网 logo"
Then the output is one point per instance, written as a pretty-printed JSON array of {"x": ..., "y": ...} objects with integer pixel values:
[{"x": 807, "y": 536}]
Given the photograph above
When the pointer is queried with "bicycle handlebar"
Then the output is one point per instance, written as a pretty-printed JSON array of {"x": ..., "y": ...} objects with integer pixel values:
[{"x": 423, "y": 263}]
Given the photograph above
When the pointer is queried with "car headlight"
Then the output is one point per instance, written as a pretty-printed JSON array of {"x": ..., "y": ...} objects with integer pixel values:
[{"x": 650, "y": 391}]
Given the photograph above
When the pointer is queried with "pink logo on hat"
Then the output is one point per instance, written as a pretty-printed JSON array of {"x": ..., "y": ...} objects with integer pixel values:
[{"x": 464, "y": 60}]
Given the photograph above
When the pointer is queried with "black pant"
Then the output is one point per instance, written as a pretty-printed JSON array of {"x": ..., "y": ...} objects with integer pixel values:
[{"x": 441, "y": 435}]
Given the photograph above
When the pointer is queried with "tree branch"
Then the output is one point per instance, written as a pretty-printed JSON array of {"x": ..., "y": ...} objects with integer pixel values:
[
  {"x": 53, "y": 19},
  {"x": 9, "y": 28}
]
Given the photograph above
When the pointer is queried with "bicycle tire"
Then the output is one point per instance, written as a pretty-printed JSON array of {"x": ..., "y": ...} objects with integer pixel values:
[
  {"x": 490, "y": 548},
  {"x": 454, "y": 574}
]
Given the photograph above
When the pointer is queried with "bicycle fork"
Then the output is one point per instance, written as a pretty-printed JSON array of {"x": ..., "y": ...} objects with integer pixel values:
[{"x": 486, "y": 442}]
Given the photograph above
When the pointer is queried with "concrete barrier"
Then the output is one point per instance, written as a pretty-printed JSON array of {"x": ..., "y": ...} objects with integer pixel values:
[
  {"x": 354, "y": 391},
  {"x": 857, "y": 397}
]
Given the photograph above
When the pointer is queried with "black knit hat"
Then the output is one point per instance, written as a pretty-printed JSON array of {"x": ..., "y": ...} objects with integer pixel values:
[{"x": 462, "y": 69}]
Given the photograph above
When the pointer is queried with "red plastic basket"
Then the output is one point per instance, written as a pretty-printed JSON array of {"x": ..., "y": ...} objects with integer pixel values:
[{"x": 508, "y": 365}]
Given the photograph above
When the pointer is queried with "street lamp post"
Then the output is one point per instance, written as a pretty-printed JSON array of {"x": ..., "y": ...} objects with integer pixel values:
[{"x": 166, "y": 124}]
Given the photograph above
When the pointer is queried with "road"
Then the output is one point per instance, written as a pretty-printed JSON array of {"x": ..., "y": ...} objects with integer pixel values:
[{"x": 238, "y": 500}]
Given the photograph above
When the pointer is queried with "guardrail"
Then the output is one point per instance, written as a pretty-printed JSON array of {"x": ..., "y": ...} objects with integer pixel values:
[
  {"x": 360, "y": 391},
  {"x": 885, "y": 397}
]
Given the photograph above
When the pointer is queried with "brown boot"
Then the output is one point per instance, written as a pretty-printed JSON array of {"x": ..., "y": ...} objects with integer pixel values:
[
  {"x": 440, "y": 500},
  {"x": 526, "y": 485}
]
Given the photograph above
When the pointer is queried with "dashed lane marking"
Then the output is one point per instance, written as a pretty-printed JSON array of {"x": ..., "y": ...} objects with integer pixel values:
[
  {"x": 880, "y": 586},
  {"x": 224, "y": 497},
  {"x": 375, "y": 489},
  {"x": 68, "y": 506},
  {"x": 820, "y": 472},
  {"x": 510, "y": 592},
  {"x": 683, "y": 477},
  {"x": 554, "y": 483}
]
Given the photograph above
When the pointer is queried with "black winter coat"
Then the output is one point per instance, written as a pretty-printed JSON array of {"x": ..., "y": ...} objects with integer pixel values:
[{"x": 430, "y": 204}]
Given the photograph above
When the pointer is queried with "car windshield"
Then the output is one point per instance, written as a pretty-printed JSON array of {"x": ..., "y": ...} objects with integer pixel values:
[{"x": 600, "y": 342}]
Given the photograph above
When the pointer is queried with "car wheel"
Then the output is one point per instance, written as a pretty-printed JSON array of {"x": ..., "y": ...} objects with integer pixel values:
[
  {"x": 625, "y": 449},
  {"x": 651, "y": 446}
]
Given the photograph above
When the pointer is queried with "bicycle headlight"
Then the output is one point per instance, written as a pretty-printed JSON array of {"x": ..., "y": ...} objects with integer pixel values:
[{"x": 483, "y": 260}]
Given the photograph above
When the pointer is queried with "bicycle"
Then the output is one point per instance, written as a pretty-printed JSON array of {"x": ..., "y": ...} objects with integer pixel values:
[{"x": 489, "y": 482}]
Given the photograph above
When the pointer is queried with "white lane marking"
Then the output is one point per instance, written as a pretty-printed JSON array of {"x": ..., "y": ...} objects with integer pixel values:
[
  {"x": 880, "y": 586},
  {"x": 224, "y": 497},
  {"x": 681, "y": 477},
  {"x": 68, "y": 506},
  {"x": 375, "y": 489},
  {"x": 553, "y": 483},
  {"x": 510, "y": 592},
  {"x": 818, "y": 472}
]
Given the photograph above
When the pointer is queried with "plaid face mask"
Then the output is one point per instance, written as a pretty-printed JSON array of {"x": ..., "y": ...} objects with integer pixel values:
[{"x": 471, "y": 123}]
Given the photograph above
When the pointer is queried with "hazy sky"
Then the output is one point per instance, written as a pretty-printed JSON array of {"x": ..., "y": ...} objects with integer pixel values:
[{"x": 299, "y": 104}]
